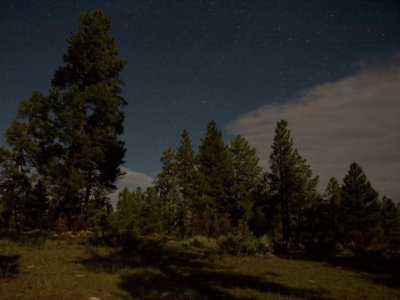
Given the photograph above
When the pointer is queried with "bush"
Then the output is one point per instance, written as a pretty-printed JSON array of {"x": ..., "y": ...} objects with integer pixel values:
[
  {"x": 200, "y": 241},
  {"x": 241, "y": 241},
  {"x": 264, "y": 244}
]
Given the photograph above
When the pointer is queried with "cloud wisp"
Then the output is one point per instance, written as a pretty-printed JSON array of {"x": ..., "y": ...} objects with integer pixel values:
[
  {"x": 333, "y": 124},
  {"x": 131, "y": 180},
  {"x": 134, "y": 179}
]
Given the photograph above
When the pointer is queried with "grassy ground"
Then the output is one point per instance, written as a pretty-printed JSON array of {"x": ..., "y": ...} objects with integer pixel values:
[{"x": 59, "y": 269}]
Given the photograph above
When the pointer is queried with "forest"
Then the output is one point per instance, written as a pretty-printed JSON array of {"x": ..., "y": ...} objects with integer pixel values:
[{"x": 65, "y": 153}]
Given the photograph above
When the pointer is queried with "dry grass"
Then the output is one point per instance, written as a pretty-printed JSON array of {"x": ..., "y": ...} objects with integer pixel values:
[{"x": 151, "y": 269}]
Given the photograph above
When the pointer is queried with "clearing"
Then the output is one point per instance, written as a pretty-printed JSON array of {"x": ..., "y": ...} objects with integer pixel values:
[{"x": 153, "y": 269}]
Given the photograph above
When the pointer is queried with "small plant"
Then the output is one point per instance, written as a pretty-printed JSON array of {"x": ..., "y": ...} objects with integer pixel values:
[
  {"x": 200, "y": 241},
  {"x": 264, "y": 244},
  {"x": 240, "y": 241}
]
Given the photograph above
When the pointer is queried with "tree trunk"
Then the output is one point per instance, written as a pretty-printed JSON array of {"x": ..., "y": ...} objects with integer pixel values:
[
  {"x": 283, "y": 216},
  {"x": 87, "y": 193},
  {"x": 16, "y": 217},
  {"x": 285, "y": 220}
]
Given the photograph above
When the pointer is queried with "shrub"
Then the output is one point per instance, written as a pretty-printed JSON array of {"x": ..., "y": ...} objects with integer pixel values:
[
  {"x": 240, "y": 241},
  {"x": 264, "y": 244},
  {"x": 200, "y": 241}
]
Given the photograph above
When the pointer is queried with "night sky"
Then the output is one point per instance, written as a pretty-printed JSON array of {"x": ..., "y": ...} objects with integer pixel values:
[{"x": 331, "y": 68}]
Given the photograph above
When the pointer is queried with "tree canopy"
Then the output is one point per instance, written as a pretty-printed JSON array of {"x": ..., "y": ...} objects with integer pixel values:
[{"x": 67, "y": 143}]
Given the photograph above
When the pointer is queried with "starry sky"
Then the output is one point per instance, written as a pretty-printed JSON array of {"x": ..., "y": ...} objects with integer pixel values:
[{"x": 331, "y": 68}]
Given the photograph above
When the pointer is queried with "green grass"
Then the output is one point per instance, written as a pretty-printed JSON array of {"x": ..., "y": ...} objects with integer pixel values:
[
  {"x": 152, "y": 269},
  {"x": 51, "y": 271}
]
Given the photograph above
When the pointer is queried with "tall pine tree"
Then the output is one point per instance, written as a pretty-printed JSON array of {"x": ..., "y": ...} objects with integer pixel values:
[
  {"x": 87, "y": 106},
  {"x": 187, "y": 179},
  {"x": 391, "y": 226},
  {"x": 216, "y": 173},
  {"x": 330, "y": 208},
  {"x": 360, "y": 211},
  {"x": 282, "y": 175},
  {"x": 304, "y": 197},
  {"x": 66, "y": 146},
  {"x": 292, "y": 185},
  {"x": 167, "y": 186},
  {"x": 324, "y": 223},
  {"x": 246, "y": 178}
]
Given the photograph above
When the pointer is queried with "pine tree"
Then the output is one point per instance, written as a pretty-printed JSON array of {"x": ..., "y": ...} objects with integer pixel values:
[
  {"x": 390, "y": 226},
  {"x": 127, "y": 215},
  {"x": 15, "y": 189},
  {"x": 360, "y": 213},
  {"x": 166, "y": 184},
  {"x": 187, "y": 177},
  {"x": 68, "y": 142},
  {"x": 331, "y": 206},
  {"x": 265, "y": 218},
  {"x": 246, "y": 178},
  {"x": 151, "y": 217},
  {"x": 282, "y": 176},
  {"x": 91, "y": 56},
  {"x": 87, "y": 107},
  {"x": 97, "y": 214},
  {"x": 304, "y": 197},
  {"x": 216, "y": 173},
  {"x": 324, "y": 231},
  {"x": 23, "y": 166},
  {"x": 291, "y": 182}
]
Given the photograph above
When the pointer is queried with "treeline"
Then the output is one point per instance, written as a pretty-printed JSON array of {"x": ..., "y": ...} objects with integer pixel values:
[
  {"x": 65, "y": 154},
  {"x": 221, "y": 190}
]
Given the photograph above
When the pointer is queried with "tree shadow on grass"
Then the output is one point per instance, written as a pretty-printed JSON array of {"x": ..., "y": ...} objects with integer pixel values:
[
  {"x": 378, "y": 270},
  {"x": 9, "y": 266},
  {"x": 157, "y": 271},
  {"x": 183, "y": 283},
  {"x": 139, "y": 253}
]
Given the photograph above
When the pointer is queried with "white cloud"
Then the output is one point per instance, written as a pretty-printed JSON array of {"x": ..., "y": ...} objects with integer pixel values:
[
  {"x": 356, "y": 118},
  {"x": 131, "y": 180},
  {"x": 134, "y": 179}
]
